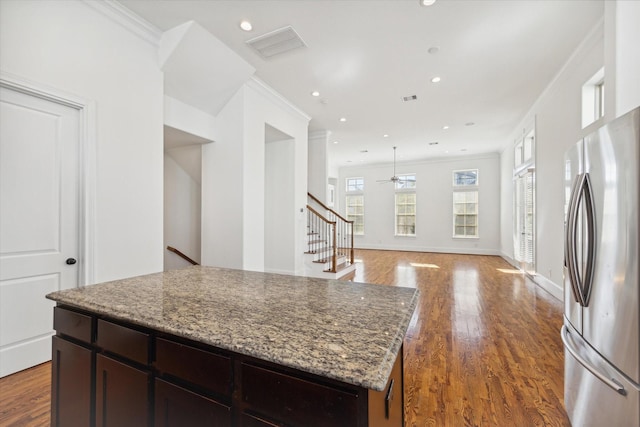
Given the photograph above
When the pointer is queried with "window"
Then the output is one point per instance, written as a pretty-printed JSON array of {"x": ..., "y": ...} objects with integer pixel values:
[
  {"x": 355, "y": 204},
  {"x": 465, "y": 214},
  {"x": 355, "y": 184},
  {"x": 465, "y": 203},
  {"x": 405, "y": 205},
  {"x": 355, "y": 213},
  {"x": 406, "y": 214},
  {"x": 465, "y": 178},
  {"x": 405, "y": 182}
]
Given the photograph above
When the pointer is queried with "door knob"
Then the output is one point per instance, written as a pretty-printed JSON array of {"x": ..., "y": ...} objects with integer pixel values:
[{"x": 70, "y": 261}]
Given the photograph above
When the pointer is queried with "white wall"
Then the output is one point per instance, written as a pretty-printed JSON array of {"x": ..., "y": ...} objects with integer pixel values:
[
  {"x": 222, "y": 189},
  {"x": 557, "y": 114},
  {"x": 72, "y": 47},
  {"x": 318, "y": 165},
  {"x": 279, "y": 234},
  {"x": 626, "y": 34},
  {"x": 264, "y": 106},
  {"x": 434, "y": 210},
  {"x": 189, "y": 119},
  {"x": 182, "y": 206},
  {"x": 233, "y": 189}
]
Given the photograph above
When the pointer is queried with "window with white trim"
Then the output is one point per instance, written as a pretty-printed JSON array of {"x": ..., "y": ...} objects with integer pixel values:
[
  {"x": 405, "y": 205},
  {"x": 465, "y": 203},
  {"x": 354, "y": 205},
  {"x": 355, "y": 184}
]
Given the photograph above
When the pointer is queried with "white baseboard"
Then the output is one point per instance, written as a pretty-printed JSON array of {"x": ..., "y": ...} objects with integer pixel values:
[{"x": 549, "y": 286}]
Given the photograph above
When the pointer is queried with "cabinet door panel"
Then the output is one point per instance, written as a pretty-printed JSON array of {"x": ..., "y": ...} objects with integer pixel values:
[
  {"x": 71, "y": 388},
  {"x": 296, "y": 401},
  {"x": 178, "y": 407},
  {"x": 122, "y": 394}
]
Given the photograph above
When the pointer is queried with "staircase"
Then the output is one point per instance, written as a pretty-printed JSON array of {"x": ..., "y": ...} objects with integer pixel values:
[{"x": 329, "y": 251}]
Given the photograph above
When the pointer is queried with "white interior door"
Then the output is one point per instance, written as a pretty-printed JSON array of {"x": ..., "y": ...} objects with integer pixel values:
[{"x": 39, "y": 163}]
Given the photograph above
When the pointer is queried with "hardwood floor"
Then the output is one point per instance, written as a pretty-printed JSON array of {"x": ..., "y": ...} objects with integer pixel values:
[
  {"x": 483, "y": 347},
  {"x": 25, "y": 397}
]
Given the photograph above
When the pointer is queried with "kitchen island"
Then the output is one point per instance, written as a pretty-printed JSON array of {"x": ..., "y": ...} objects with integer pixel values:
[{"x": 212, "y": 346}]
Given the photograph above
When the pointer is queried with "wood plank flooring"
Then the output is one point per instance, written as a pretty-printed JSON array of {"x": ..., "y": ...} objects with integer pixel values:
[{"x": 483, "y": 348}]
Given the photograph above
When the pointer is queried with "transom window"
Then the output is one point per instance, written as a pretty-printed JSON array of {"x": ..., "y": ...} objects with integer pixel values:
[
  {"x": 465, "y": 178},
  {"x": 405, "y": 182},
  {"x": 355, "y": 184}
]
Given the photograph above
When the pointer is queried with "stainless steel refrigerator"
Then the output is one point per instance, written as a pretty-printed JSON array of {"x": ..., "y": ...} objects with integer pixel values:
[{"x": 601, "y": 331}]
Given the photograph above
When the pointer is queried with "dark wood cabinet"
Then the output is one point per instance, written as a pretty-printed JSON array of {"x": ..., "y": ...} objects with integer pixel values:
[
  {"x": 108, "y": 373},
  {"x": 122, "y": 394},
  {"x": 178, "y": 407},
  {"x": 297, "y": 401},
  {"x": 71, "y": 385}
]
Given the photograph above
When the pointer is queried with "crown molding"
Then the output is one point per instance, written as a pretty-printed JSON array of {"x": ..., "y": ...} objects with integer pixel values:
[
  {"x": 271, "y": 94},
  {"x": 127, "y": 19}
]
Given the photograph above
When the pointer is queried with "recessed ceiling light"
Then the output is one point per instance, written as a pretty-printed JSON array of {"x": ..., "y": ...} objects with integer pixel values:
[
  {"x": 433, "y": 50},
  {"x": 435, "y": 79},
  {"x": 246, "y": 25},
  {"x": 335, "y": 142},
  {"x": 469, "y": 124},
  {"x": 445, "y": 127},
  {"x": 385, "y": 136},
  {"x": 427, "y": 2},
  {"x": 343, "y": 119},
  {"x": 315, "y": 93}
]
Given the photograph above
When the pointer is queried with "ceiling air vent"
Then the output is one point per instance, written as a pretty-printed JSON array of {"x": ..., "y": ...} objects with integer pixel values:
[
  {"x": 409, "y": 98},
  {"x": 276, "y": 42}
]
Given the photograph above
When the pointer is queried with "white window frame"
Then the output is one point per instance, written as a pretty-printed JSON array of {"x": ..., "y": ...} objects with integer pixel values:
[
  {"x": 404, "y": 178},
  {"x": 475, "y": 184},
  {"x": 415, "y": 209},
  {"x": 358, "y": 187},
  {"x": 465, "y": 214},
  {"x": 466, "y": 188},
  {"x": 357, "y": 190}
]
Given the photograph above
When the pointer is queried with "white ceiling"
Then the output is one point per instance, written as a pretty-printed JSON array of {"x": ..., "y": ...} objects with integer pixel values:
[{"x": 495, "y": 59}]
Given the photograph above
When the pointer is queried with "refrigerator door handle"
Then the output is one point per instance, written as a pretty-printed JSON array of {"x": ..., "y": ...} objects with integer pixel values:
[
  {"x": 570, "y": 249},
  {"x": 587, "y": 281},
  {"x": 568, "y": 344}
]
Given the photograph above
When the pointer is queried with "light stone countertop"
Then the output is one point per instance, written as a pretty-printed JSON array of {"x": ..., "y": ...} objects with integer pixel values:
[{"x": 347, "y": 331}]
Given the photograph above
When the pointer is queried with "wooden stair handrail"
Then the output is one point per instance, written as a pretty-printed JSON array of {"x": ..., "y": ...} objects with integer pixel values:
[
  {"x": 319, "y": 215},
  {"x": 181, "y": 255},
  {"x": 327, "y": 207}
]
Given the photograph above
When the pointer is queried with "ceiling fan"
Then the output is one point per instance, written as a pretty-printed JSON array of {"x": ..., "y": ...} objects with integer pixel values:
[{"x": 394, "y": 178}]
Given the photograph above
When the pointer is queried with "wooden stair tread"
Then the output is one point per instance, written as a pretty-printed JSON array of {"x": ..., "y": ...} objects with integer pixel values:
[{"x": 340, "y": 267}]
